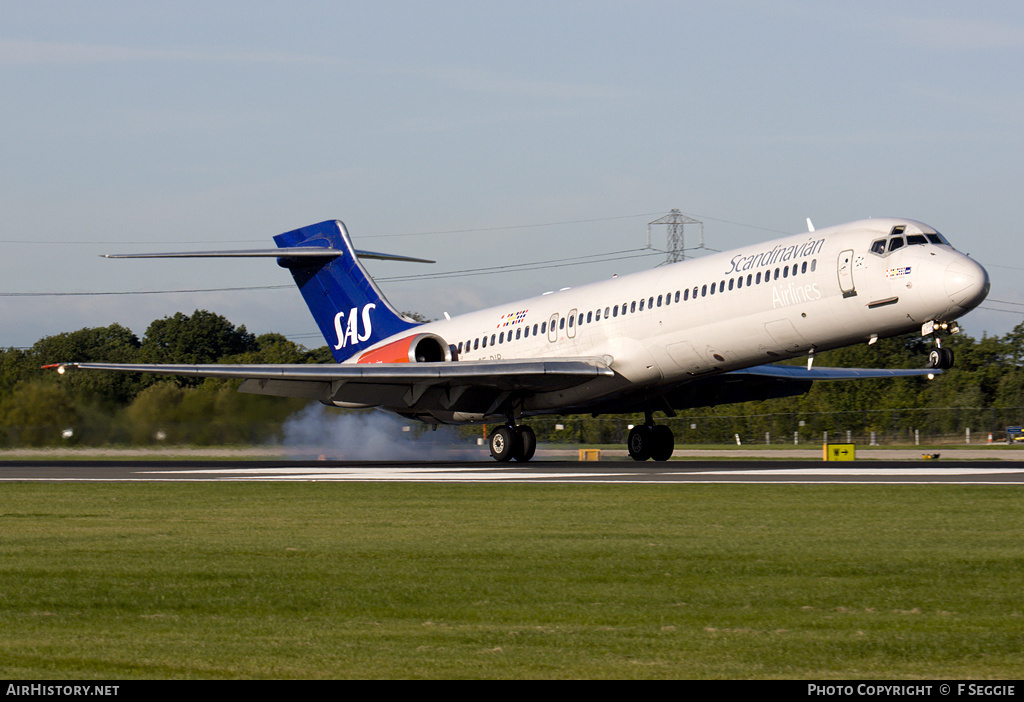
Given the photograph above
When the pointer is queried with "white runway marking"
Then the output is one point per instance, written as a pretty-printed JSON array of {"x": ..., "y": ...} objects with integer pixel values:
[
  {"x": 406, "y": 474},
  {"x": 852, "y": 472},
  {"x": 476, "y": 474}
]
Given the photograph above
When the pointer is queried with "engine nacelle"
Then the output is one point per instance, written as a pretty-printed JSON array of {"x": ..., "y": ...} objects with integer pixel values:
[{"x": 419, "y": 348}]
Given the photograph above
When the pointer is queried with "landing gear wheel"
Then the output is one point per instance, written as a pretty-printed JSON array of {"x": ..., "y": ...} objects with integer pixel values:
[
  {"x": 940, "y": 358},
  {"x": 502, "y": 443},
  {"x": 663, "y": 443},
  {"x": 525, "y": 444},
  {"x": 639, "y": 442}
]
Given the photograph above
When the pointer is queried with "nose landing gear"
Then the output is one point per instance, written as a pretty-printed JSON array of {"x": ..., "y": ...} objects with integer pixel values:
[{"x": 940, "y": 358}]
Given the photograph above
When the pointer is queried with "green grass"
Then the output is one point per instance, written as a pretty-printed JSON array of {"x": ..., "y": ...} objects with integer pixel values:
[{"x": 342, "y": 580}]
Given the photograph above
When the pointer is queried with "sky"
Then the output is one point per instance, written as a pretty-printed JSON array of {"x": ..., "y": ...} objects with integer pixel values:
[{"x": 525, "y": 146}]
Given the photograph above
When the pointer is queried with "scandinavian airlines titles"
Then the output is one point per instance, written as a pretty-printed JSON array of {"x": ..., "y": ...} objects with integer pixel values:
[{"x": 778, "y": 254}]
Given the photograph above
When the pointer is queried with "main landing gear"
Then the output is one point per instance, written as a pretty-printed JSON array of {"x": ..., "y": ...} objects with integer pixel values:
[
  {"x": 647, "y": 440},
  {"x": 650, "y": 440},
  {"x": 510, "y": 441}
]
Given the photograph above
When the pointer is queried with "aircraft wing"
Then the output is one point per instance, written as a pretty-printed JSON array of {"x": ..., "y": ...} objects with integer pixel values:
[
  {"x": 482, "y": 386},
  {"x": 771, "y": 381},
  {"x": 781, "y": 372},
  {"x": 466, "y": 386}
]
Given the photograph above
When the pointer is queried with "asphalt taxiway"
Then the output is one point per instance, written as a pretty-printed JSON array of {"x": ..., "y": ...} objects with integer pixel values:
[{"x": 792, "y": 471}]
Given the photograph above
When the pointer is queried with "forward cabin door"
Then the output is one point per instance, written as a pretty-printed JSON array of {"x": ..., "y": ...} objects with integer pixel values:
[{"x": 846, "y": 273}]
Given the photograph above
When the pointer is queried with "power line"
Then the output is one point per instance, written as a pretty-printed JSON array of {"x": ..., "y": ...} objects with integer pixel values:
[
  {"x": 144, "y": 292},
  {"x": 510, "y": 268},
  {"x": 361, "y": 236},
  {"x": 519, "y": 267},
  {"x": 508, "y": 227}
]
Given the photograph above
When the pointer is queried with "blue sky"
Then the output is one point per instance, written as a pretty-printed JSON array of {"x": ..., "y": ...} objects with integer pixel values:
[{"x": 483, "y": 134}]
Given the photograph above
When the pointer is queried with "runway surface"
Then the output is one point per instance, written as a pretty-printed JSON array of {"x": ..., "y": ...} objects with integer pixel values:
[{"x": 960, "y": 472}]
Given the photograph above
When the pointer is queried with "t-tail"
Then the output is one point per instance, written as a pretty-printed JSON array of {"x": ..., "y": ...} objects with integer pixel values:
[{"x": 349, "y": 308}]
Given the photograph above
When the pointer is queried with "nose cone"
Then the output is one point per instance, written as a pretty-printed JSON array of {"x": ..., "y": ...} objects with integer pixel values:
[{"x": 966, "y": 283}]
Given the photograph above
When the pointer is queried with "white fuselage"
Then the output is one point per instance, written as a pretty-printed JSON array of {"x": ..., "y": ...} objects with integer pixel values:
[{"x": 758, "y": 304}]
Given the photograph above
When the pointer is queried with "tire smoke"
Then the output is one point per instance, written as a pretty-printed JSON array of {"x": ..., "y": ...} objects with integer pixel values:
[{"x": 370, "y": 435}]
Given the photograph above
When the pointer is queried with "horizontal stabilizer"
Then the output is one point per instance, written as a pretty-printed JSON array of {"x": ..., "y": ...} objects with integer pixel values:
[{"x": 293, "y": 252}]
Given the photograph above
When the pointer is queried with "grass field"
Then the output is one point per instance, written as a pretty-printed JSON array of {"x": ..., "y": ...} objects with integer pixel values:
[{"x": 342, "y": 580}]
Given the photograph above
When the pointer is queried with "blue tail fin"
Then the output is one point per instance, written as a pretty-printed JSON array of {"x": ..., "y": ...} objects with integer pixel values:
[{"x": 350, "y": 310}]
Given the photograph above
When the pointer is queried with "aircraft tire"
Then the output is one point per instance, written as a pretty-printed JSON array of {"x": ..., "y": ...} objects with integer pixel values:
[
  {"x": 940, "y": 358},
  {"x": 639, "y": 442},
  {"x": 502, "y": 443},
  {"x": 663, "y": 443},
  {"x": 525, "y": 444}
]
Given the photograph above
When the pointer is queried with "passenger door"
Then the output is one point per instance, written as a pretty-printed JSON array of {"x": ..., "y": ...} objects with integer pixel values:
[{"x": 846, "y": 273}]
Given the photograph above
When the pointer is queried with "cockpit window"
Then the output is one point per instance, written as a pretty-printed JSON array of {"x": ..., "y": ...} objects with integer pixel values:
[{"x": 900, "y": 237}]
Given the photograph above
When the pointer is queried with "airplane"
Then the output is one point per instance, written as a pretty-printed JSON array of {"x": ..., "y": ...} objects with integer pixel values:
[{"x": 700, "y": 332}]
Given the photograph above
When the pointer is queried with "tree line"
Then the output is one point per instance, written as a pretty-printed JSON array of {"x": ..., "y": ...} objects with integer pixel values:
[
  {"x": 41, "y": 408},
  {"x": 984, "y": 392}
]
